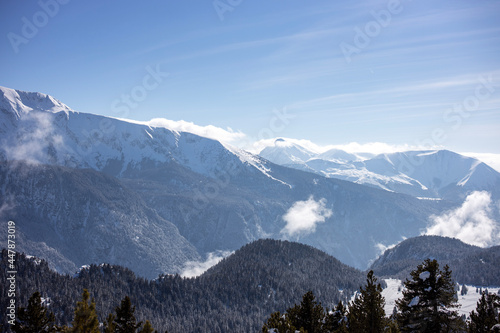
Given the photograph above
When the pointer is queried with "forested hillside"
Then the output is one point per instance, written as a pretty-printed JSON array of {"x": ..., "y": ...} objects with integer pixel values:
[{"x": 469, "y": 264}]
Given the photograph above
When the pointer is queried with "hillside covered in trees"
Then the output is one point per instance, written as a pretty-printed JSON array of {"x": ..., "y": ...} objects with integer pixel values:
[
  {"x": 470, "y": 264},
  {"x": 235, "y": 295}
]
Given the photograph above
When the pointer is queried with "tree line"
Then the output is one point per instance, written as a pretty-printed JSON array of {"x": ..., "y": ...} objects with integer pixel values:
[
  {"x": 234, "y": 296},
  {"x": 237, "y": 295},
  {"x": 428, "y": 304},
  {"x": 37, "y": 318}
]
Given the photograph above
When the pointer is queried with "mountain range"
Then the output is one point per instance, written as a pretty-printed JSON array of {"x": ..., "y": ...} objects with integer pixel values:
[
  {"x": 432, "y": 174},
  {"x": 84, "y": 188}
]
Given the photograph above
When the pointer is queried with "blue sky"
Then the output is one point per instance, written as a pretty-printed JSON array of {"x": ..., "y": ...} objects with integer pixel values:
[{"x": 416, "y": 73}]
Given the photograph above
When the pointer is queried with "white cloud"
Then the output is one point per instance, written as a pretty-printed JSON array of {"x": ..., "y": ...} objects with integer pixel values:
[
  {"x": 213, "y": 132},
  {"x": 31, "y": 145},
  {"x": 6, "y": 207},
  {"x": 382, "y": 248},
  {"x": 303, "y": 216},
  {"x": 493, "y": 160},
  {"x": 471, "y": 223},
  {"x": 374, "y": 148},
  {"x": 196, "y": 268}
]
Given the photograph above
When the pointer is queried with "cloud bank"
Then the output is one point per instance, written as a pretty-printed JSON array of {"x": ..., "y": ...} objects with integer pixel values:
[
  {"x": 471, "y": 223},
  {"x": 303, "y": 216},
  {"x": 374, "y": 148},
  {"x": 196, "y": 268},
  {"x": 213, "y": 132},
  {"x": 493, "y": 160}
]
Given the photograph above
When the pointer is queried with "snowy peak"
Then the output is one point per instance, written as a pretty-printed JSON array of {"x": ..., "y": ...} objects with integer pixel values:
[
  {"x": 38, "y": 128},
  {"x": 22, "y": 102},
  {"x": 285, "y": 152},
  {"x": 338, "y": 155},
  {"x": 438, "y": 169}
]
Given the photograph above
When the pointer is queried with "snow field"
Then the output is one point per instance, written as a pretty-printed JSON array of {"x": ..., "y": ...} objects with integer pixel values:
[{"x": 468, "y": 302}]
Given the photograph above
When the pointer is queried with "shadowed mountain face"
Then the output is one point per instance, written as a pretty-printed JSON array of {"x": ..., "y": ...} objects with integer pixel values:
[{"x": 75, "y": 217}]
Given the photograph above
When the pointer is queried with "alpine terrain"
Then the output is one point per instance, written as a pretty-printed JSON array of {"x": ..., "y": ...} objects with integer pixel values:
[{"x": 84, "y": 188}]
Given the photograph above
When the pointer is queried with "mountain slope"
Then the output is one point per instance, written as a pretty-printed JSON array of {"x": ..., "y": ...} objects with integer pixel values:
[{"x": 78, "y": 217}]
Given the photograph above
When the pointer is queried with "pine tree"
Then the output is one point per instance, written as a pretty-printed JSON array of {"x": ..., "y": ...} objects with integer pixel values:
[
  {"x": 486, "y": 315},
  {"x": 110, "y": 326},
  {"x": 147, "y": 328},
  {"x": 125, "y": 320},
  {"x": 85, "y": 318},
  {"x": 336, "y": 321},
  {"x": 309, "y": 315},
  {"x": 35, "y": 318},
  {"x": 279, "y": 322},
  {"x": 366, "y": 312},
  {"x": 464, "y": 290},
  {"x": 428, "y": 300}
]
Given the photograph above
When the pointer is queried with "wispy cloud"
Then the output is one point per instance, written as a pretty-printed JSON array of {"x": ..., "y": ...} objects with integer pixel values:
[
  {"x": 429, "y": 86},
  {"x": 32, "y": 144},
  {"x": 382, "y": 248},
  {"x": 471, "y": 223},
  {"x": 196, "y": 268},
  {"x": 303, "y": 216},
  {"x": 374, "y": 148},
  {"x": 227, "y": 135},
  {"x": 493, "y": 160}
]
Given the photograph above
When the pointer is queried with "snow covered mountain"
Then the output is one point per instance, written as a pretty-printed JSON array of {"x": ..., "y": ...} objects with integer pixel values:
[
  {"x": 439, "y": 174},
  {"x": 218, "y": 197},
  {"x": 40, "y": 129}
]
